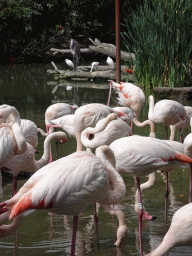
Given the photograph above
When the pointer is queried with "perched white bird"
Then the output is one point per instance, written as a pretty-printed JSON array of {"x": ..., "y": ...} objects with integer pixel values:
[
  {"x": 94, "y": 65},
  {"x": 110, "y": 62},
  {"x": 69, "y": 63}
]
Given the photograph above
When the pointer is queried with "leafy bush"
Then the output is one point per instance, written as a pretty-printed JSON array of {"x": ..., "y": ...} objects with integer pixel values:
[{"x": 159, "y": 32}]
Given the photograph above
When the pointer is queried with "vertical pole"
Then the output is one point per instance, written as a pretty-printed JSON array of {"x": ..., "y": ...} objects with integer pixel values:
[{"x": 117, "y": 37}]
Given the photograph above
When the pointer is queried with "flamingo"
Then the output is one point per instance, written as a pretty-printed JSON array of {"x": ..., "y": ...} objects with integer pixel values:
[
  {"x": 179, "y": 233},
  {"x": 129, "y": 112},
  {"x": 65, "y": 122},
  {"x": 28, "y": 128},
  {"x": 57, "y": 110},
  {"x": 88, "y": 115},
  {"x": 182, "y": 124},
  {"x": 69, "y": 185},
  {"x": 94, "y": 65},
  {"x": 12, "y": 140},
  {"x": 26, "y": 161},
  {"x": 130, "y": 95},
  {"x": 140, "y": 156},
  {"x": 166, "y": 112},
  {"x": 105, "y": 132}
]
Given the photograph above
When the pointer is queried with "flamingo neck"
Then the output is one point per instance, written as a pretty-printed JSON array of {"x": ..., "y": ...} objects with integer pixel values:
[
  {"x": 47, "y": 156},
  {"x": 7, "y": 230},
  {"x": 105, "y": 154},
  {"x": 151, "y": 107},
  {"x": 100, "y": 126},
  {"x": 146, "y": 122}
]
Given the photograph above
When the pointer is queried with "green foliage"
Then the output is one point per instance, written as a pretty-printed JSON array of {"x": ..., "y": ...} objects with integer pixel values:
[{"x": 160, "y": 34}]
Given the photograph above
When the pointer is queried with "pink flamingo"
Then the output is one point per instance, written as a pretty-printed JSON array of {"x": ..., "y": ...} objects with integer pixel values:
[
  {"x": 105, "y": 132},
  {"x": 65, "y": 122},
  {"x": 166, "y": 112},
  {"x": 140, "y": 156},
  {"x": 69, "y": 185},
  {"x": 130, "y": 95},
  {"x": 182, "y": 124},
  {"x": 129, "y": 112},
  {"x": 26, "y": 161},
  {"x": 179, "y": 233},
  {"x": 28, "y": 128},
  {"x": 12, "y": 140},
  {"x": 57, "y": 110},
  {"x": 88, "y": 115}
]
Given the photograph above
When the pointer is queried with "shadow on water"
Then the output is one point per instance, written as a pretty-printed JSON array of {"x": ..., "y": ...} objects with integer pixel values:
[{"x": 31, "y": 90}]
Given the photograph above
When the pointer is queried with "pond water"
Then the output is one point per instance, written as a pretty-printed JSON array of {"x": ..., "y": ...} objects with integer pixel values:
[{"x": 31, "y": 90}]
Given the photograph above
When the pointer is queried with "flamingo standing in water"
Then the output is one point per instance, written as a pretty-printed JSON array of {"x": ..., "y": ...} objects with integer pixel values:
[
  {"x": 105, "y": 132},
  {"x": 130, "y": 95},
  {"x": 65, "y": 122},
  {"x": 140, "y": 156},
  {"x": 12, "y": 140},
  {"x": 179, "y": 233},
  {"x": 129, "y": 112},
  {"x": 88, "y": 115},
  {"x": 28, "y": 128},
  {"x": 57, "y": 110},
  {"x": 166, "y": 112},
  {"x": 26, "y": 161},
  {"x": 69, "y": 185},
  {"x": 182, "y": 124}
]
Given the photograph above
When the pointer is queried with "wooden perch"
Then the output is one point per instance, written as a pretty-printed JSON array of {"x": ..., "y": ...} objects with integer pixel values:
[
  {"x": 105, "y": 72},
  {"x": 109, "y": 50},
  {"x": 109, "y": 74},
  {"x": 69, "y": 51}
]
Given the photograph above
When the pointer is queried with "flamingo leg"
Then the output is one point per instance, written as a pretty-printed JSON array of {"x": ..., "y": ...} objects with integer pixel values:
[
  {"x": 166, "y": 128},
  {"x": 166, "y": 194},
  {"x": 75, "y": 222},
  {"x": 109, "y": 97},
  {"x": 140, "y": 215},
  {"x": 96, "y": 224},
  {"x": 181, "y": 136},
  {"x": 14, "y": 189}
]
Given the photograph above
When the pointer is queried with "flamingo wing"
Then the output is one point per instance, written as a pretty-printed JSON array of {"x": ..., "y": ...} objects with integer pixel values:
[{"x": 67, "y": 185}]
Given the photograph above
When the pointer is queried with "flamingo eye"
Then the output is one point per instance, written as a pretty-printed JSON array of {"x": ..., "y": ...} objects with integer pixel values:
[{"x": 91, "y": 136}]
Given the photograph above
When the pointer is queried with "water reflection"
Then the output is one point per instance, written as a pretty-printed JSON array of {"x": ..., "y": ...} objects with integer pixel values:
[{"x": 31, "y": 90}]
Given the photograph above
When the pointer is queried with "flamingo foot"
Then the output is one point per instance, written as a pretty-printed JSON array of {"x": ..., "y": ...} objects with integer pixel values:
[{"x": 148, "y": 217}]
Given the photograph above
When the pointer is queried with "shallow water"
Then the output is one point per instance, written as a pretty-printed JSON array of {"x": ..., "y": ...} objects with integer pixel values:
[{"x": 31, "y": 90}]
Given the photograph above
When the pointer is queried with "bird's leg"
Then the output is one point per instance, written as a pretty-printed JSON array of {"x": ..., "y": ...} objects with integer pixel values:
[
  {"x": 96, "y": 224},
  {"x": 166, "y": 194},
  {"x": 181, "y": 136},
  {"x": 140, "y": 215},
  {"x": 14, "y": 189},
  {"x": 75, "y": 222},
  {"x": 166, "y": 128}
]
